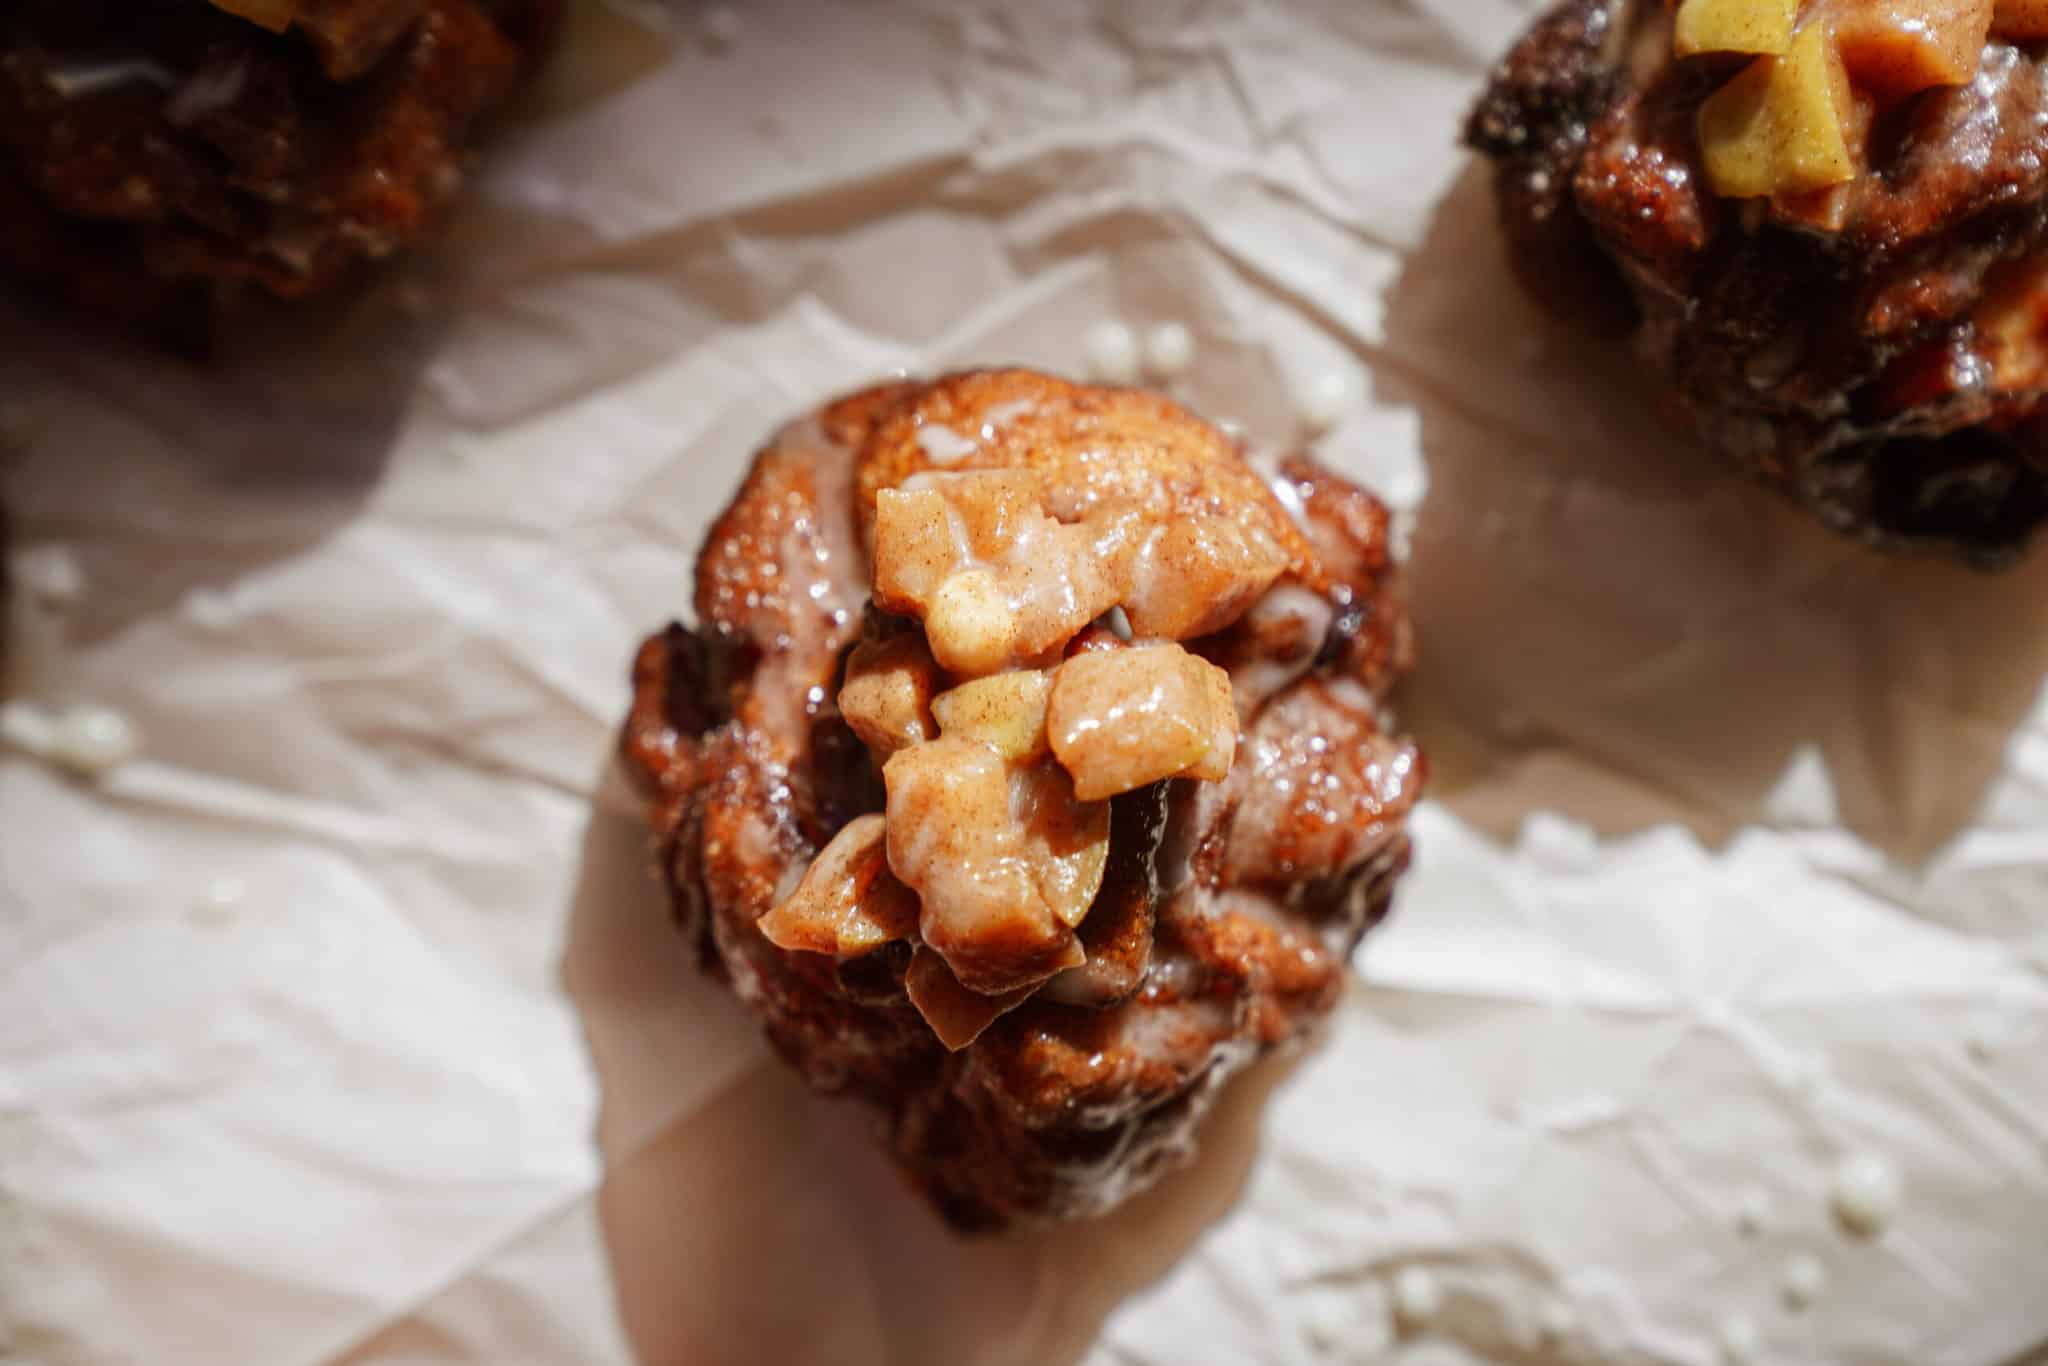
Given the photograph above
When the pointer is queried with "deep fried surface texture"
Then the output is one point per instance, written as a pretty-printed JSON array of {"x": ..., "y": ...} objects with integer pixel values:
[
  {"x": 157, "y": 154},
  {"x": 1227, "y": 909},
  {"x": 1886, "y": 368}
]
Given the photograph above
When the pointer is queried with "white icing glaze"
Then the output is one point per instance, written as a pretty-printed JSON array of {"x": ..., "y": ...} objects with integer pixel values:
[
  {"x": 1169, "y": 349},
  {"x": 74, "y": 80},
  {"x": 942, "y": 445},
  {"x": 1804, "y": 1279},
  {"x": 211, "y": 88},
  {"x": 1866, "y": 1193},
  {"x": 1174, "y": 973},
  {"x": 1284, "y": 612},
  {"x": 1292, "y": 602},
  {"x": 1417, "y": 1296},
  {"x": 1182, "y": 1031},
  {"x": 821, "y": 557},
  {"x": 1003, "y": 414},
  {"x": 1112, "y": 352},
  {"x": 1283, "y": 488}
]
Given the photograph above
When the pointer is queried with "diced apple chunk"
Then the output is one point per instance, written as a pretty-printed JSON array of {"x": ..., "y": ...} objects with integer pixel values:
[
  {"x": 887, "y": 696},
  {"x": 1004, "y": 859},
  {"x": 971, "y": 622},
  {"x": 930, "y": 529},
  {"x": 2020, "y": 19},
  {"x": 1895, "y": 48},
  {"x": 995, "y": 579},
  {"x": 1119, "y": 719},
  {"x": 848, "y": 903},
  {"x": 916, "y": 546},
  {"x": 1781, "y": 125},
  {"x": 1760, "y": 27},
  {"x": 958, "y": 1016},
  {"x": 1197, "y": 574},
  {"x": 1005, "y": 711}
]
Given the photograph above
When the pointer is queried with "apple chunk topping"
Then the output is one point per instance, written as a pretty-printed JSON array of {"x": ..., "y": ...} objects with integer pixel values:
[
  {"x": 848, "y": 903},
  {"x": 1005, "y": 711},
  {"x": 958, "y": 1016},
  {"x": 996, "y": 581},
  {"x": 1781, "y": 126},
  {"x": 1119, "y": 719},
  {"x": 1760, "y": 27},
  {"x": 1004, "y": 857},
  {"x": 887, "y": 696},
  {"x": 1793, "y": 123}
]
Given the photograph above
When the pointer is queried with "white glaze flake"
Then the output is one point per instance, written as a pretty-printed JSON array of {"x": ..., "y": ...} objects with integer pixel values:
[
  {"x": 93, "y": 740},
  {"x": 1737, "y": 1338},
  {"x": 86, "y": 739},
  {"x": 1417, "y": 1296},
  {"x": 1866, "y": 1193},
  {"x": 1325, "y": 399},
  {"x": 1169, "y": 349},
  {"x": 942, "y": 445},
  {"x": 1112, "y": 352},
  {"x": 1803, "y": 1280}
]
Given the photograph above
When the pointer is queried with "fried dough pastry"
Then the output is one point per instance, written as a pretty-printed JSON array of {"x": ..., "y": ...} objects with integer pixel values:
[
  {"x": 1823, "y": 221},
  {"x": 157, "y": 154},
  {"x": 1027, "y": 771}
]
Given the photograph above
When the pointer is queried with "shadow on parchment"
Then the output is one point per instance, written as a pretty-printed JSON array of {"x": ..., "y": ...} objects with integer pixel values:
[
  {"x": 247, "y": 442},
  {"x": 206, "y": 469},
  {"x": 752, "y": 1222},
  {"x": 1613, "y": 626},
  {"x": 218, "y": 450}
]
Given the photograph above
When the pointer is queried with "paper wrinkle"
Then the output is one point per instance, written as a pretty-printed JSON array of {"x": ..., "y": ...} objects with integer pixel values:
[{"x": 1736, "y": 840}]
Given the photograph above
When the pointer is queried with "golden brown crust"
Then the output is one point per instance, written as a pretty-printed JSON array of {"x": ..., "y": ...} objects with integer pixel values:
[
  {"x": 1839, "y": 344},
  {"x": 1226, "y": 910},
  {"x": 162, "y": 146},
  {"x": 1091, "y": 445}
]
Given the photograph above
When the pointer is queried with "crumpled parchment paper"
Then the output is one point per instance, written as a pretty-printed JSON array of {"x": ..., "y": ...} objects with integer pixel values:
[{"x": 1737, "y": 864}]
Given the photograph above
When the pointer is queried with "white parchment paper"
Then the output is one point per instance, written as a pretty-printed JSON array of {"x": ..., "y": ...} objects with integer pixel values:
[{"x": 1737, "y": 863}]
